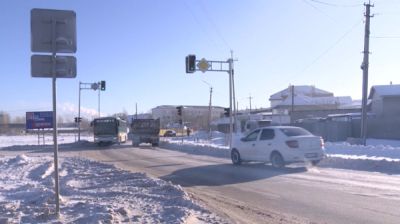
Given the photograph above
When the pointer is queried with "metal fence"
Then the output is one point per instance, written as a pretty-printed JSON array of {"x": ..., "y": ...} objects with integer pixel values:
[{"x": 329, "y": 131}]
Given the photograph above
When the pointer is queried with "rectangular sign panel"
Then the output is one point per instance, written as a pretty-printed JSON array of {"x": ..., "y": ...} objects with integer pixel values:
[
  {"x": 280, "y": 111},
  {"x": 41, "y": 119},
  {"x": 41, "y": 30},
  {"x": 41, "y": 66}
]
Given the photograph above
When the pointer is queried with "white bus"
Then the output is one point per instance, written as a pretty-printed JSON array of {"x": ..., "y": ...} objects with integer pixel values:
[{"x": 109, "y": 130}]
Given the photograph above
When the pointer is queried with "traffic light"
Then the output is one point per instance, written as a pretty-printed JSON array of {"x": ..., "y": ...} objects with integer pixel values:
[
  {"x": 103, "y": 85},
  {"x": 79, "y": 119},
  {"x": 191, "y": 63},
  {"x": 76, "y": 120},
  {"x": 180, "y": 121},
  {"x": 227, "y": 112},
  {"x": 179, "y": 110}
]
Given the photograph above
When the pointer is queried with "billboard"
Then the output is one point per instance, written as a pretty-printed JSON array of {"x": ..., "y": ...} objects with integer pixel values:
[{"x": 40, "y": 119}]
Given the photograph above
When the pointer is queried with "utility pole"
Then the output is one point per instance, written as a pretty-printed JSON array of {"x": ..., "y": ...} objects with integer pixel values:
[
  {"x": 136, "y": 112},
  {"x": 99, "y": 100},
  {"x": 209, "y": 115},
  {"x": 250, "y": 101},
  {"x": 234, "y": 99},
  {"x": 292, "y": 92},
  {"x": 364, "y": 67}
]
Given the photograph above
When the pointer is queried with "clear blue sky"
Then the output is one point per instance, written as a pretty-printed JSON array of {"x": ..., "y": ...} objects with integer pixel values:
[{"x": 139, "y": 47}]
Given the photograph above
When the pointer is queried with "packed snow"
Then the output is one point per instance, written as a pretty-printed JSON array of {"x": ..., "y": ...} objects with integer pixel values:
[
  {"x": 378, "y": 155},
  {"x": 90, "y": 192}
]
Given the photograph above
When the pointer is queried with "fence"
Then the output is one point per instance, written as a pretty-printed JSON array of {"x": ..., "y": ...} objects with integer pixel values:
[{"x": 329, "y": 131}]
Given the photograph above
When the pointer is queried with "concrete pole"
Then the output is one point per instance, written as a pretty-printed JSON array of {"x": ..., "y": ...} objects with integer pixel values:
[{"x": 365, "y": 76}]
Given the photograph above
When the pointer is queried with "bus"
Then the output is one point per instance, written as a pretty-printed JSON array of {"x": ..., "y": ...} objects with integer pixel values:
[{"x": 109, "y": 130}]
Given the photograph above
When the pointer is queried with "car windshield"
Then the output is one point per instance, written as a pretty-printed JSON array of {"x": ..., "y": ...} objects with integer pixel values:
[{"x": 290, "y": 132}]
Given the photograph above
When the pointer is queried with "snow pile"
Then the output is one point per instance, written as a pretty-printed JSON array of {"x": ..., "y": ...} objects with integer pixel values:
[
  {"x": 19, "y": 140},
  {"x": 379, "y": 150},
  {"x": 90, "y": 192},
  {"x": 339, "y": 155}
]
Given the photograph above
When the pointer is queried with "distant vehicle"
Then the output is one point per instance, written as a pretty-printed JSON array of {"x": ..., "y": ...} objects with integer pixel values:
[
  {"x": 278, "y": 145},
  {"x": 109, "y": 130},
  {"x": 145, "y": 131},
  {"x": 170, "y": 133},
  {"x": 251, "y": 125}
]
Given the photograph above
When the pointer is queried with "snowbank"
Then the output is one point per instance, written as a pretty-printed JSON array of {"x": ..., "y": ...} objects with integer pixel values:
[
  {"x": 339, "y": 155},
  {"x": 90, "y": 192},
  {"x": 19, "y": 140}
]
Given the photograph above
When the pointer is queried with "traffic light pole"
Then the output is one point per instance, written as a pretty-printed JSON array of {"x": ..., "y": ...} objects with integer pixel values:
[
  {"x": 79, "y": 113},
  {"x": 204, "y": 66}
]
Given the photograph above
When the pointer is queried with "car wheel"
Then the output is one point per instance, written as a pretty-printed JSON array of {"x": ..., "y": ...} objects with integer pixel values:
[
  {"x": 154, "y": 144},
  {"x": 314, "y": 162},
  {"x": 277, "y": 160},
  {"x": 235, "y": 156}
]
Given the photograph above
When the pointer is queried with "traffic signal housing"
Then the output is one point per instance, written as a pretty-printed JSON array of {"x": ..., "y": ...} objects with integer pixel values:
[
  {"x": 78, "y": 119},
  {"x": 179, "y": 110},
  {"x": 190, "y": 63},
  {"x": 103, "y": 85},
  {"x": 227, "y": 112},
  {"x": 180, "y": 121}
]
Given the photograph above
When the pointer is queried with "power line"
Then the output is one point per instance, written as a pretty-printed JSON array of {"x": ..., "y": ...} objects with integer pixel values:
[
  {"x": 323, "y": 13},
  {"x": 202, "y": 27},
  {"x": 314, "y": 60},
  {"x": 324, "y": 3},
  {"x": 212, "y": 22}
]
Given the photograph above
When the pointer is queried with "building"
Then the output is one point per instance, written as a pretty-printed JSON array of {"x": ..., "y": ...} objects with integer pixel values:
[
  {"x": 193, "y": 116},
  {"x": 302, "y": 102},
  {"x": 385, "y": 100},
  {"x": 309, "y": 91}
]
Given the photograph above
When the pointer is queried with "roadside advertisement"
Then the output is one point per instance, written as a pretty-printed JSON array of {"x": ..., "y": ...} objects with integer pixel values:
[{"x": 40, "y": 119}]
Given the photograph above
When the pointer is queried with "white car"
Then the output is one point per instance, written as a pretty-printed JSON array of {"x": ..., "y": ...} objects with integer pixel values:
[{"x": 278, "y": 145}]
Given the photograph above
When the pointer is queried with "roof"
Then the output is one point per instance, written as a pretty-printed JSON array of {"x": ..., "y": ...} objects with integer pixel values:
[
  {"x": 185, "y": 106},
  {"x": 302, "y": 100},
  {"x": 306, "y": 90},
  {"x": 385, "y": 91}
]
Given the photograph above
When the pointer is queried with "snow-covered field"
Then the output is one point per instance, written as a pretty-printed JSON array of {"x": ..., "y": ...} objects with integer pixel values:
[
  {"x": 91, "y": 192},
  {"x": 378, "y": 155},
  {"x": 18, "y": 140}
]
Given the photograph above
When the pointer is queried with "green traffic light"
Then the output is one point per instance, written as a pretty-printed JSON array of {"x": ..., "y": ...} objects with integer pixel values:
[{"x": 191, "y": 68}]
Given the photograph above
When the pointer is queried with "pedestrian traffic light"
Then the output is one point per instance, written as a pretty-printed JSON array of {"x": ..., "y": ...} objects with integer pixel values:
[
  {"x": 179, "y": 110},
  {"x": 103, "y": 85},
  {"x": 191, "y": 63},
  {"x": 227, "y": 112},
  {"x": 180, "y": 121}
]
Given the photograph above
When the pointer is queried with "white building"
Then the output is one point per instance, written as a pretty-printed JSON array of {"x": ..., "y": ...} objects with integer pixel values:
[{"x": 197, "y": 116}]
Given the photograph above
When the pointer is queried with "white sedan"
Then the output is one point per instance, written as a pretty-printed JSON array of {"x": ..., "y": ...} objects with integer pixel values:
[{"x": 278, "y": 145}]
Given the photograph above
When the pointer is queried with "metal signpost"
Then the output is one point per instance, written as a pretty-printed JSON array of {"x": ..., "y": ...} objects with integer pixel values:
[
  {"x": 53, "y": 31},
  {"x": 216, "y": 66}
]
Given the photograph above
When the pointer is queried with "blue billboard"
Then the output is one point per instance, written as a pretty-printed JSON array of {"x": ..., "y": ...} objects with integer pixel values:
[{"x": 41, "y": 119}]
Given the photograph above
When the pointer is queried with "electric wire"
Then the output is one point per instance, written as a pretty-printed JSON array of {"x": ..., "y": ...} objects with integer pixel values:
[
  {"x": 212, "y": 23},
  {"x": 324, "y": 3},
  {"x": 202, "y": 27},
  {"x": 309, "y": 65}
]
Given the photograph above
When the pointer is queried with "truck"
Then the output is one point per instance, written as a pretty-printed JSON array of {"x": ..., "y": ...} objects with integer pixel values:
[
  {"x": 145, "y": 131},
  {"x": 251, "y": 125}
]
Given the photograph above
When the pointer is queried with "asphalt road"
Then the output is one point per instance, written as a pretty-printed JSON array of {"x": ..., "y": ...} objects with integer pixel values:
[{"x": 257, "y": 193}]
